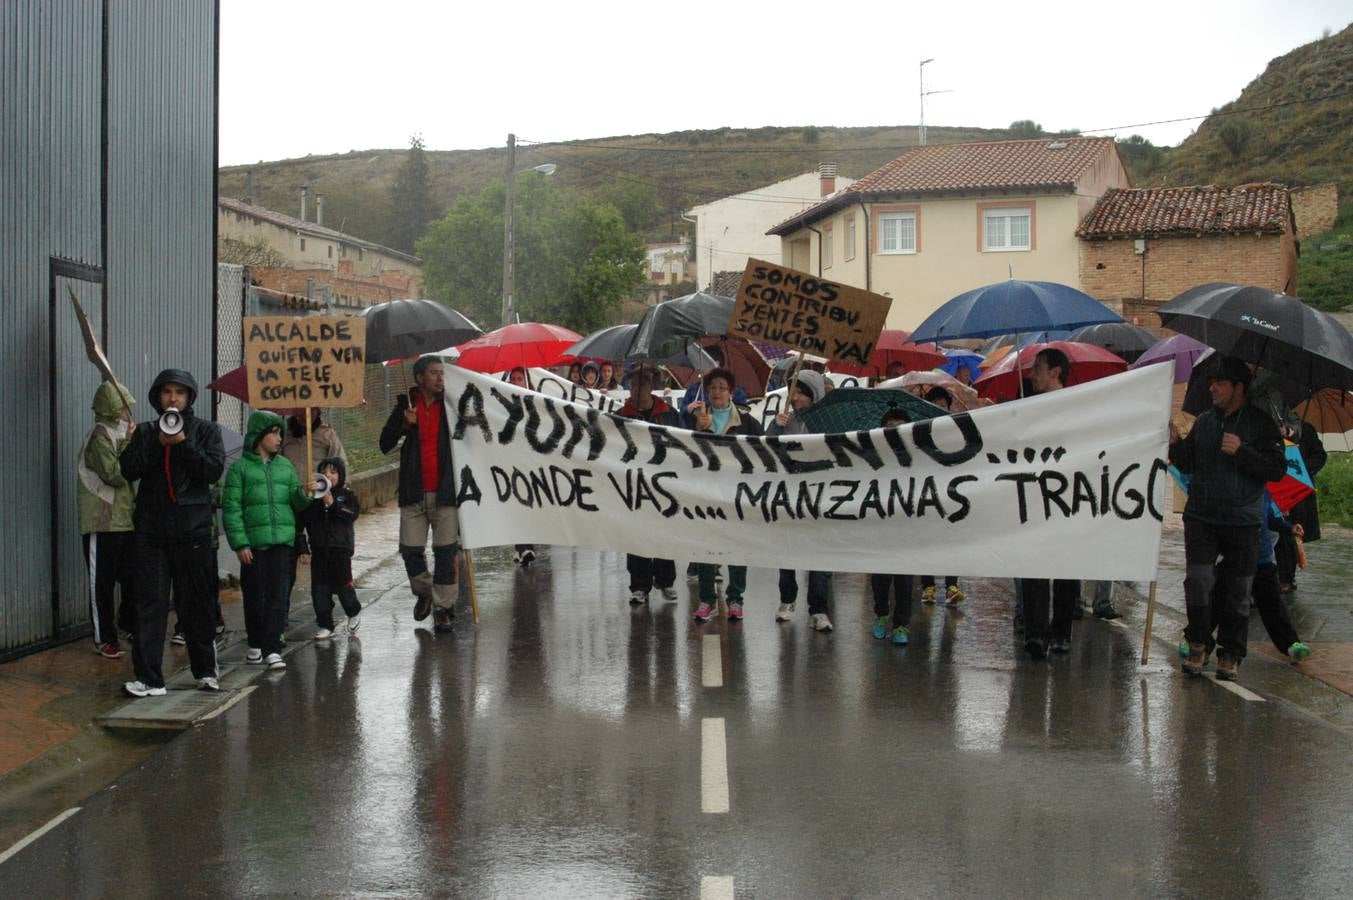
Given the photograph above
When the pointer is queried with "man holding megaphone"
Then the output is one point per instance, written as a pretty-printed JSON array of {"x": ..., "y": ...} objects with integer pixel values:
[{"x": 176, "y": 457}]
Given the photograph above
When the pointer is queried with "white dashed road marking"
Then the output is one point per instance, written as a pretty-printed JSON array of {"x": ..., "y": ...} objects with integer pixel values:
[
  {"x": 1239, "y": 691},
  {"x": 716, "y": 887},
  {"x": 4, "y": 857},
  {"x": 713, "y": 767},
  {"x": 711, "y": 661}
]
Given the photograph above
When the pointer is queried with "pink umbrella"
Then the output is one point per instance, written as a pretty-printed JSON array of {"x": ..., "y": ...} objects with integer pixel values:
[
  {"x": 1180, "y": 349},
  {"x": 527, "y": 344},
  {"x": 1088, "y": 362},
  {"x": 894, "y": 346},
  {"x": 235, "y": 383}
]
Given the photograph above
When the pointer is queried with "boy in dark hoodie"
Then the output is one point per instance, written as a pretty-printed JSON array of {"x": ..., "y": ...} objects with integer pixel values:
[{"x": 327, "y": 542}]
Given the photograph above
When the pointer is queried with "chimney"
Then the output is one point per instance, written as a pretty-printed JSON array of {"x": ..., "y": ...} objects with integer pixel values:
[
  {"x": 305, "y": 200},
  {"x": 826, "y": 175},
  {"x": 249, "y": 186},
  {"x": 319, "y": 209}
]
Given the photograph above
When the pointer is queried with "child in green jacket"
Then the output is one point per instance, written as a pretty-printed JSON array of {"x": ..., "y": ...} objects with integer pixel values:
[{"x": 262, "y": 495}]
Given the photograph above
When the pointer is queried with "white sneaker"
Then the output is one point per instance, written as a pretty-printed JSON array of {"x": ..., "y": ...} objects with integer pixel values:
[
  {"x": 275, "y": 660},
  {"x": 140, "y": 689},
  {"x": 820, "y": 622},
  {"x": 669, "y": 594},
  {"x": 323, "y": 634},
  {"x": 354, "y": 622},
  {"x": 207, "y": 683},
  {"x": 785, "y": 612},
  {"x": 638, "y": 598},
  {"x": 254, "y": 657}
]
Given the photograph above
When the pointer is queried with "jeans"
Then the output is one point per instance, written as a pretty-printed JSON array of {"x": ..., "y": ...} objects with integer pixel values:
[
  {"x": 1037, "y": 593},
  {"x": 737, "y": 583},
  {"x": 264, "y": 584},
  {"x": 901, "y": 587},
  {"x": 646, "y": 573},
  {"x": 1238, "y": 546},
  {"x": 818, "y": 585}
]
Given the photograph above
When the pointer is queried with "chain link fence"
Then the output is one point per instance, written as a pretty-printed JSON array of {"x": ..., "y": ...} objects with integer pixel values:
[{"x": 359, "y": 427}]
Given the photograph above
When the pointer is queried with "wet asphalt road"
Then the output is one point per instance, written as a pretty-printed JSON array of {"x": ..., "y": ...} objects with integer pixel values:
[{"x": 569, "y": 746}]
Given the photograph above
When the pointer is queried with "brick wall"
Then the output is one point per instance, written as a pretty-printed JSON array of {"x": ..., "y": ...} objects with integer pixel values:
[
  {"x": 1315, "y": 208},
  {"x": 1114, "y": 271},
  {"x": 392, "y": 285}
]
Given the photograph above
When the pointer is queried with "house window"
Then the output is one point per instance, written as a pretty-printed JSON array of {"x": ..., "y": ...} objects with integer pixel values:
[
  {"x": 302, "y": 245},
  {"x": 827, "y": 247},
  {"x": 1006, "y": 228},
  {"x": 897, "y": 232},
  {"x": 850, "y": 238}
]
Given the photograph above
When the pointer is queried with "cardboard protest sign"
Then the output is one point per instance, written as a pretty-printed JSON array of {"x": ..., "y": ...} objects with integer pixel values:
[
  {"x": 1068, "y": 484},
  {"x": 791, "y": 309},
  {"x": 305, "y": 361}
]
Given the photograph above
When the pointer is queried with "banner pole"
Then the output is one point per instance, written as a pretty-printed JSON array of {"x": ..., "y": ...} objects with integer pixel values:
[
  {"x": 309, "y": 451},
  {"x": 1150, "y": 614}
]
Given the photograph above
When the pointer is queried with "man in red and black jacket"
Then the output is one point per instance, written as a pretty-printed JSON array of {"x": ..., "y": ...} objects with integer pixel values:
[
  {"x": 646, "y": 572},
  {"x": 427, "y": 494}
]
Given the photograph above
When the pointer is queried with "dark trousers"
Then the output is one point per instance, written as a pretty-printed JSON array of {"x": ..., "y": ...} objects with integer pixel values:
[
  {"x": 901, "y": 587},
  {"x": 819, "y": 583},
  {"x": 264, "y": 584},
  {"x": 109, "y": 557},
  {"x": 187, "y": 569},
  {"x": 949, "y": 581},
  {"x": 1238, "y": 547},
  {"x": 1268, "y": 598},
  {"x": 646, "y": 573},
  {"x": 330, "y": 574},
  {"x": 737, "y": 583},
  {"x": 1037, "y": 594},
  {"x": 1285, "y": 554}
]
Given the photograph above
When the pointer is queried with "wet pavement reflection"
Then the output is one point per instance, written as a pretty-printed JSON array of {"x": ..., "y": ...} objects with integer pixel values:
[{"x": 556, "y": 750}]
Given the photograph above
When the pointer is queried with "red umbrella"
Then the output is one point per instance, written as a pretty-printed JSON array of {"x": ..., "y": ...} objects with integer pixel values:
[
  {"x": 528, "y": 344},
  {"x": 1088, "y": 362},
  {"x": 749, "y": 369},
  {"x": 894, "y": 346},
  {"x": 235, "y": 383}
]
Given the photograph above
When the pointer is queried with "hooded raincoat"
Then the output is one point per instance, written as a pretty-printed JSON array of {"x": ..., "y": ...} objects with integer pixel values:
[{"x": 105, "y": 495}]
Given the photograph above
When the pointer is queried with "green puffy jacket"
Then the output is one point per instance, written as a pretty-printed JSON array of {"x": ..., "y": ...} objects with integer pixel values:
[
  {"x": 105, "y": 497},
  {"x": 261, "y": 499}
]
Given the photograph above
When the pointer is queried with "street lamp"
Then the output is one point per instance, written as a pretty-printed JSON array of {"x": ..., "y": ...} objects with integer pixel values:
[{"x": 509, "y": 243}]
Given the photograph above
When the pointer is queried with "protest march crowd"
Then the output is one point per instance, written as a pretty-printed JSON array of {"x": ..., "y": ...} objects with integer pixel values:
[{"x": 149, "y": 494}]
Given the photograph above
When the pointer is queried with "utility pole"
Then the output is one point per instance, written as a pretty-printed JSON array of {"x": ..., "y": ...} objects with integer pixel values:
[
  {"x": 924, "y": 93},
  {"x": 507, "y": 228}
]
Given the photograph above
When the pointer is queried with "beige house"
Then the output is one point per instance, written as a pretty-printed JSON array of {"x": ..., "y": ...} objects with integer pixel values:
[
  {"x": 310, "y": 245},
  {"x": 941, "y": 220},
  {"x": 731, "y": 230}
]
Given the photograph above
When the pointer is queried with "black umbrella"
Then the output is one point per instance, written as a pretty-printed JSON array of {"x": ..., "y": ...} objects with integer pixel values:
[
  {"x": 667, "y": 328},
  {"x": 613, "y": 343},
  {"x": 862, "y": 409},
  {"x": 1122, "y": 338},
  {"x": 403, "y": 328},
  {"x": 1272, "y": 330}
]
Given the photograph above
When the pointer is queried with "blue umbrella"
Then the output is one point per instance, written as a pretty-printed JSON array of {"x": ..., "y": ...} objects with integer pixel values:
[
  {"x": 1013, "y": 307},
  {"x": 962, "y": 359}
]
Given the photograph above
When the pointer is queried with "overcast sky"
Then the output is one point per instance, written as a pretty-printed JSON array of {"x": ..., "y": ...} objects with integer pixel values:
[{"x": 328, "y": 76}]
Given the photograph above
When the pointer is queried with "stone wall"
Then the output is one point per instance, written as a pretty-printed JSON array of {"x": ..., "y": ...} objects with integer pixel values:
[
  {"x": 1315, "y": 208},
  {"x": 1112, "y": 270}
]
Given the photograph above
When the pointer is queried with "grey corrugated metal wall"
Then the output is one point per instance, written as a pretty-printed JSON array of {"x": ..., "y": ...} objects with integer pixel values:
[{"x": 159, "y": 271}]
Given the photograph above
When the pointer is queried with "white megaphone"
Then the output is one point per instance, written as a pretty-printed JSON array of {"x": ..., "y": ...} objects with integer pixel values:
[
  {"x": 171, "y": 422},
  {"x": 325, "y": 485}
]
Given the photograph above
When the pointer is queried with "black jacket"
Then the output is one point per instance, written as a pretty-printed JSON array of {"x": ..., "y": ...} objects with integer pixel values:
[
  {"x": 410, "y": 456},
  {"x": 330, "y": 527},
  {"x": 1229, "y": 490},
  {"x": 187, "y": 514}
]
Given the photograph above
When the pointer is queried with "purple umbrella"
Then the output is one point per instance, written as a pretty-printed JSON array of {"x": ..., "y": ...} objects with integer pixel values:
[{"x": 1183, "y": 350}]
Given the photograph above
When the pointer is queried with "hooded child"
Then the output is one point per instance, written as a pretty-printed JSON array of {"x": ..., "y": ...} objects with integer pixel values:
[
  {"x": 105, "y": 501},
  {"x": 327, "y": 541}
]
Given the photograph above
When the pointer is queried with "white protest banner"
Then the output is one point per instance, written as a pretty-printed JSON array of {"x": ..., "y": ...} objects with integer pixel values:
[{"x": 1064, "y": 485}]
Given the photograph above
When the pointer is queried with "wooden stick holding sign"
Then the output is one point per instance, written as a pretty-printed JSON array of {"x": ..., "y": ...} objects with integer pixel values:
[
  {"x": 798, "y": 311},
  {"x": 1150, "y": 614},
  {"x": 95, "y": 353}
]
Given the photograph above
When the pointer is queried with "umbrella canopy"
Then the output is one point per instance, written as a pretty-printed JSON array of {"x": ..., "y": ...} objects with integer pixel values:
[
  {"x": 862, "y": 409},
  {"x": 235, "y": 383},
  {"x": 990, "y": 346},
  {"x": 610, "y": 344},
  {"x": 894, "y": 347},
  {"x": 1088, "y": 362},
  {"x": 668, "y": 327},
  {"x": 402, "y": 328},
  {"x": 526, "y": 344},
  {"x": 1330, "y": 413},
  {"x": 1013, "y": 307},
  {"x": 750, "y": 371},
  {"x": 960, "y": 360},
  {"x": 1296, "y": 485},
  {"x": 1179, "y": 349},
  {"x": 964, "y": 397},
  {"x": 1123, "y": 338},
  {"x": 1271, "y": 330}
]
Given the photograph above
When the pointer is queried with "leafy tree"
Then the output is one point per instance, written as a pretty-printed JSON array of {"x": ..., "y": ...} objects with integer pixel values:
[
  {"x": 574, "y": 259},
  {"x": 1140, "y": 155},
  {"x": 1025, "y": 128},
  {"x": 412, "y": 207},
  {"x": 637, "y": 201},
  {"x": 1236, "y": 135},
  {"x": 248, "y": 253}
]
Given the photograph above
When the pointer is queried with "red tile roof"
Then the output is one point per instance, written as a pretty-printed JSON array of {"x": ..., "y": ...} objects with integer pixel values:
[
  {"x": 1041, "y": 164},
  {"x": 1205, "y": 209}
]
